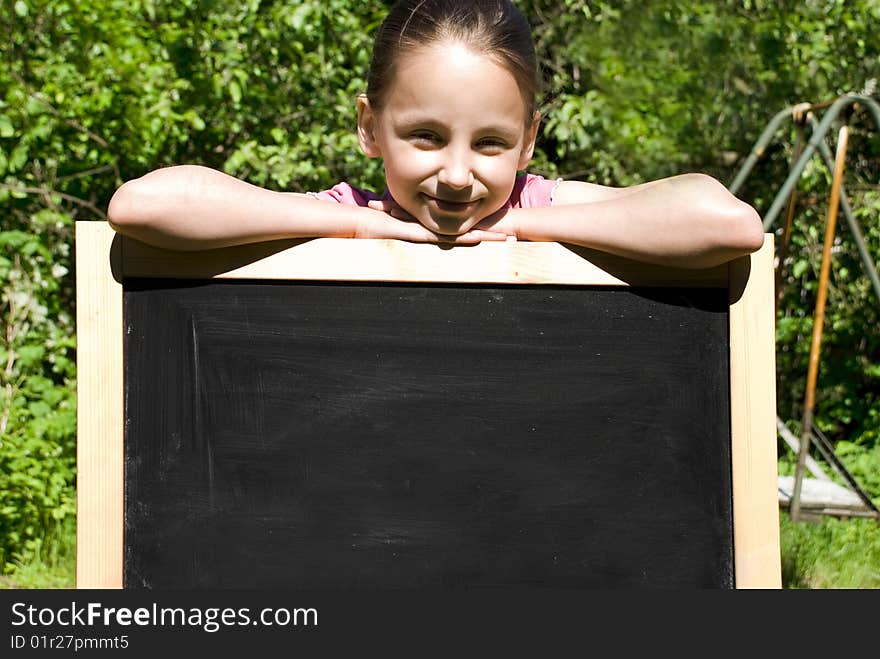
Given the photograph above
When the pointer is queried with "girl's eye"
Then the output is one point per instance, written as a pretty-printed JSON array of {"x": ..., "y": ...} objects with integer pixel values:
[
  {"x": 425, "y": 138},
  {"x": 491, "y": 144}
]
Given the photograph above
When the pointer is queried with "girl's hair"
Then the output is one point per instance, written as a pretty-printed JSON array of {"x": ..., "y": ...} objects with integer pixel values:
[{"x": 494, "y": 28}]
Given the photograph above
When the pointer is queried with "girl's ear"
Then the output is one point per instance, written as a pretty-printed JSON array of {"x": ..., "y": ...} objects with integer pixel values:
[
  {"x": 525, "y": 155},
  {"x": 367, "y": 128}
]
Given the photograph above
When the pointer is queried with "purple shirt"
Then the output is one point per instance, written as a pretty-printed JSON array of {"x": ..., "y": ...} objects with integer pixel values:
[{"x": 529, "y": 191}]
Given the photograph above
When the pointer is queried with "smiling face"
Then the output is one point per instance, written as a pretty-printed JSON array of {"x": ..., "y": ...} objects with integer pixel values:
[{"x": 452, "y": 132}]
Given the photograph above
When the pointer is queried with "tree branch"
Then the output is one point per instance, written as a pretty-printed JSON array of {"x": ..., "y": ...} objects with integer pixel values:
[
  {"x": 47, "y": 192},
  {"x": 88, "y": 172}
]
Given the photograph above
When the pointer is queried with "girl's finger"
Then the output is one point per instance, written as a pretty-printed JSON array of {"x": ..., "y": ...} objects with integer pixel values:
[
  {"x": 391, "y": 208},
  {"x": 378, "y": 204},
  {"x": 482, "y": 234},
  {"x": 472, "y": 237}
]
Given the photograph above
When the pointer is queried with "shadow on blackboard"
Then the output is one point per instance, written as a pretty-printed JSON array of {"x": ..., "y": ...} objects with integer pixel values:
[
  {"x": 645, "y": 275},
  {"x": 227, "y": 258}
]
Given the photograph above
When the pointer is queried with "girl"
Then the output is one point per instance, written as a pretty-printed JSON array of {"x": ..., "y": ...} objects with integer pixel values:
[{"x": 450, "y": 109}]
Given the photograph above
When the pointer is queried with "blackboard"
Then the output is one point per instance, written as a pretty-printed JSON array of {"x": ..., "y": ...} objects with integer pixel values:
[{"x": 405, "y": 434}]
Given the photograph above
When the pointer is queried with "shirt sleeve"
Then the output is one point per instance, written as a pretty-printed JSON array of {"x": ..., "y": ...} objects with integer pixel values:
[
  {"x": 533, "y": 191},
  {"x": 345, "y": 193}
]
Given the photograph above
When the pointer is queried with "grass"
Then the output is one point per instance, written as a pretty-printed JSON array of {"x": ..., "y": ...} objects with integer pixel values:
[
  {"x": 53, "y": 565},
  {"x": 831, "y": 554},
  {"x": 834, "y": 553}
]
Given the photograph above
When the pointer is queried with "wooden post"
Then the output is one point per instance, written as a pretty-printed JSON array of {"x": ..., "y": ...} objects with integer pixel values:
[
  {"x": 818, "y": 320},
  {"x": 753, "y": 421},
  {"x": 99, "y": 475}
]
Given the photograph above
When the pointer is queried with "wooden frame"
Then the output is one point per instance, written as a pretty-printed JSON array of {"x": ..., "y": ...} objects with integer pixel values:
[{"x": 105, "y": 259}]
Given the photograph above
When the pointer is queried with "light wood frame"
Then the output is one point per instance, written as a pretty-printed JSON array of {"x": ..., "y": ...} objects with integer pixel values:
[{"x": 104, "y": 259}]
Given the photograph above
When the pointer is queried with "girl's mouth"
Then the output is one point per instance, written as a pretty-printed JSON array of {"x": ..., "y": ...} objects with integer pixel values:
[{"x": 448, "y": 206}]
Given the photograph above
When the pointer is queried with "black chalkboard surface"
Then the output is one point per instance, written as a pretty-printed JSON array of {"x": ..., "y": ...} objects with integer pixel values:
[{"x": 344, "y": 435}]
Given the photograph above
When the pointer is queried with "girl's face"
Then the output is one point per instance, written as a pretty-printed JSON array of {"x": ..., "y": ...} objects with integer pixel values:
[{"x": 452, "y": 133}]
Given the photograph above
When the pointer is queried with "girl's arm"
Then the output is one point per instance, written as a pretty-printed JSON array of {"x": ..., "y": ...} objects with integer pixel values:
[
  {"x": 689, "y": 221},
  {"x": 193, "y": 207}
]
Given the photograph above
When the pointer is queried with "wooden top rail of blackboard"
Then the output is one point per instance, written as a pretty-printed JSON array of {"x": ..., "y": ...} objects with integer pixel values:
[
  {"x": 105, "y": 259},
  {"x": 339, "y": 259}
]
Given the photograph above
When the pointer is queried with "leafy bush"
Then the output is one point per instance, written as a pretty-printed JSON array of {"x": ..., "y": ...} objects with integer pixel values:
[{"x": 37, "y": 403}]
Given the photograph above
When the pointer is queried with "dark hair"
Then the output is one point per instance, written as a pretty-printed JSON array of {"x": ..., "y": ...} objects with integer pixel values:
[{"x": 494, "y": 28}]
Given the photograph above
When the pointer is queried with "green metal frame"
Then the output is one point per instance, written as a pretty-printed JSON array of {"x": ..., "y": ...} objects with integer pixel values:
[{"x": 817, "y": 141}]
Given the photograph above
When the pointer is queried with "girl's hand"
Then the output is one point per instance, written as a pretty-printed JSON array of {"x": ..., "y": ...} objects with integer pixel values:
[
  {"x": 394, "y": 222},
  {"x": 502, "y": 221}
]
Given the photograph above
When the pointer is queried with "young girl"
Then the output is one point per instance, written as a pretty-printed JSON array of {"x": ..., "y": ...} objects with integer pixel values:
[{"x": 450, "y": 109}]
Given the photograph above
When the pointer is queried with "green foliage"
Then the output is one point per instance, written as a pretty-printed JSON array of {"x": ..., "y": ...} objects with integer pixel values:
[
  {"x": 37, "y": 403},
  {"x": 638, "y": 90},
  {"x": 96, "y": 92}
]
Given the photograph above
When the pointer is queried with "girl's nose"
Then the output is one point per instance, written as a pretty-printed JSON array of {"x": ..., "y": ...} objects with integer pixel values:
[{"x": 456, "y": 173}]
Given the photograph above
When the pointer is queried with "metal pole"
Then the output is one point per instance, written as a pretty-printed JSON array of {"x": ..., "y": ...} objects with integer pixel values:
[
  {"x": 819, "y": 132},
  {"x": 789, "y": 215},
  {"x": 758, "y": 149},
  {"x": 812, "y": 145},
  {"x": 818, "y": 321}
]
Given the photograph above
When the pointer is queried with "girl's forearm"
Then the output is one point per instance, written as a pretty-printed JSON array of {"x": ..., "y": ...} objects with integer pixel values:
[
  {"x": 193, "y": 207},
  {"x": 688, "y": 222}
]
